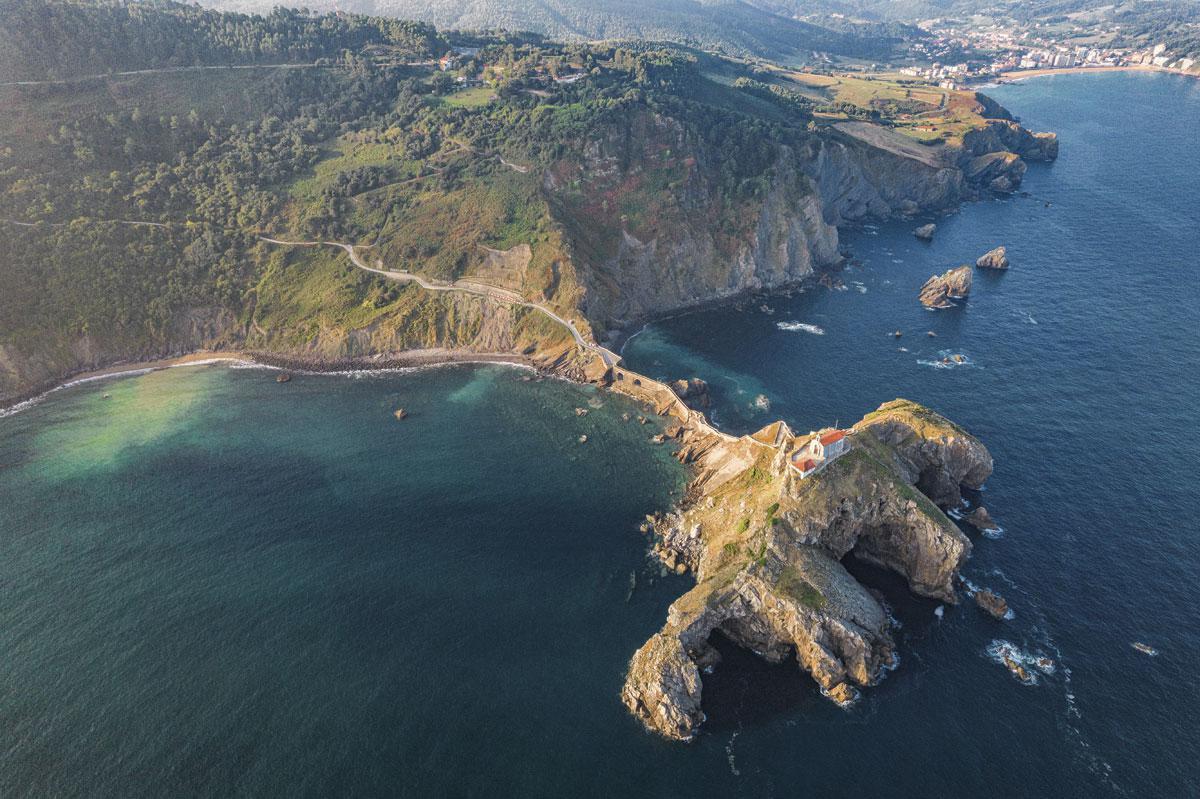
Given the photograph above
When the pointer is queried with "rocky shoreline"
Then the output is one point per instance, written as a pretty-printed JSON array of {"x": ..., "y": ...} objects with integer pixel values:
[{"x": 765, "y": 545}]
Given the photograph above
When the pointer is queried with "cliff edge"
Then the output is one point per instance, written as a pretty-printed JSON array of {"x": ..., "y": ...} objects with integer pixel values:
[{"x": 767, "y": 521}]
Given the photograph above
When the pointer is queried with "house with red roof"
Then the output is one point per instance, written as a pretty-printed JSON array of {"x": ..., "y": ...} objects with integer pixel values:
[
  {"x": 829, "y": 445},
  {"x": 803, "y": 464},
  {"x": 820, "y": 450}
]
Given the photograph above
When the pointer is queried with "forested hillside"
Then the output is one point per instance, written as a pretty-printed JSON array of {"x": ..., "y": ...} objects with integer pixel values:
[
  {"x": 62, "y": 39},
  {"x": 605, "y": 181},
  {"x": 732, "y": 26}
]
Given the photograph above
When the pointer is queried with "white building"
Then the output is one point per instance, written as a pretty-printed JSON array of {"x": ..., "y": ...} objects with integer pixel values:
[
  {"x": 821, "y": 450},
  {"x": 830, "y": 445}
]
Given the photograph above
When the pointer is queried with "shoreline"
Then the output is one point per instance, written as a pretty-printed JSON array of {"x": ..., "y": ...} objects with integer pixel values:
[
  {"x": 1025, "y": 74},
  {"x": 415, "y": 359}
]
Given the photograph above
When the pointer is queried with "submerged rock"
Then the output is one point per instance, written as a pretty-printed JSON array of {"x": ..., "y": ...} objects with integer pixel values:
[
  {"x": 1018, "y": 670},
  {"x": 766, "y": 548},
  {"x": 939, "y": 290},
  {"x": 925, "y": 232},
  {"x": 980, "y": 519},
  {"x": 992, "y": 603},
  {"x": 994, "y": 259},
  {"x": 400, "y": 414},
  {"x": 283, "y": 377}
]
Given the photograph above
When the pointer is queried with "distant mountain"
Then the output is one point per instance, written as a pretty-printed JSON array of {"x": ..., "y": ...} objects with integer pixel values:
[{"x": 732, "y": 26}]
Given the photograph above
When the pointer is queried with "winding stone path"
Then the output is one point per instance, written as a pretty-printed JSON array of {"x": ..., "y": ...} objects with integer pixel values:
[{"x": 468, "y": 286}]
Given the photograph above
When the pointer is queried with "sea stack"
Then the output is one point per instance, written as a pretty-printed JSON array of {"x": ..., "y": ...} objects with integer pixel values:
[
  {"x": 994, "y": 259},
  {"x": 994, "y": 604},
  {"x": 980, "y": 519},
  {"x": 925, "y": 232},
  {"x": 939, "y": 290}
]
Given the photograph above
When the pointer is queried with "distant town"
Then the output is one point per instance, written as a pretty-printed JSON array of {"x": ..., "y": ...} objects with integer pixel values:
[{"x": 1014, "y": 49}]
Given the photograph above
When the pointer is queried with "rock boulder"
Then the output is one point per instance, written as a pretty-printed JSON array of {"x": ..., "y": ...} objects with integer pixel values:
[
  {"x": 994, "y": 604},
  {"x": 994, "y": 259},
  {"x": 939, "y": 290}
]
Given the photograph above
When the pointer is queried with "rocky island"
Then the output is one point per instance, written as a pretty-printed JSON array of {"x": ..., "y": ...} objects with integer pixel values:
[
  {"x": 994, "y": 259},
  {"x": 764, "y": 529},
  {"x": 939, "y": 290}
]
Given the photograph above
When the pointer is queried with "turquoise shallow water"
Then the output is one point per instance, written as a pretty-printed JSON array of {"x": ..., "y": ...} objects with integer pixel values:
[{"x": 212, "y": 584}]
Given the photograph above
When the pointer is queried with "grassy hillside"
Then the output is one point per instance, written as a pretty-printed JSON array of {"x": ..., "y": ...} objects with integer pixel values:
[{"x": 132, "y": 205}]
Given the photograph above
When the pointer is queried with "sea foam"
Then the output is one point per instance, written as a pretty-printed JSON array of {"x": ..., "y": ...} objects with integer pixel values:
[{"x": 793, "y": 327}]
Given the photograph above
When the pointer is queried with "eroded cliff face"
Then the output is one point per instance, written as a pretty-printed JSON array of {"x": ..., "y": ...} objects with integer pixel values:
[
  {"x": 419, "y": 325},
  {"x": 194, "y": 328},
  {"x": 644, "y": 220},
  {"x": 765, "y": 545},
  {"x": 652, "y": 227}
]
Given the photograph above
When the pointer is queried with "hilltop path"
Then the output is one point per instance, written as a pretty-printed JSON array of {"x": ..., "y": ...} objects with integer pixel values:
[
  {"x": 638, "y": 386},
  {"x": 468, "y": 286}
]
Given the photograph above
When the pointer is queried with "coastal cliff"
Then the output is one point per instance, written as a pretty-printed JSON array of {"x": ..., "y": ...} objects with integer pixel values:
[
  {"x": 765, "y": 543},
  {"x": 640, "y": 218}
]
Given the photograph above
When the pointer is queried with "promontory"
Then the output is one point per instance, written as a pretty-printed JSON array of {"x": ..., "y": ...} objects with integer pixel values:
[{"x": 767, "y": 522}]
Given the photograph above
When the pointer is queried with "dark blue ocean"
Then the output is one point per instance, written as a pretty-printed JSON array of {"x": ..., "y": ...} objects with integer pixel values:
[{"x": 213, "y": 584}]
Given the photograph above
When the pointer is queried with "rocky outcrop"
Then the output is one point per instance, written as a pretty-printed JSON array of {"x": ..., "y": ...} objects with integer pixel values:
[
  {"x": 925, "y": 232},
  {"x": 1008, "y": 135},
  {"x": 939, "y": 290},
  {"x": 929, "y": 451},
  {"x": 766, "y": 547},
  {"x": 798, "y": 604},
  {"x": 994, "y": 259},
  {"x": 693, "y": 243},
  {"x": 994, "y": 604},
  {"x": 693, "y": 392},
  {"x": 1000, "y": 171},
  {"x": 980, "y": 519}
]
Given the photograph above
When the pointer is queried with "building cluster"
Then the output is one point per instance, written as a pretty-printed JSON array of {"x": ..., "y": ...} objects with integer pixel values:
[{"x": 1019, "y": 49}]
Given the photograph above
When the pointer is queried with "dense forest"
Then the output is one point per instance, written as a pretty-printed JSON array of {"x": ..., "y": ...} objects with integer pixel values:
[
  {"x": 758, "y": 29},
  {"x": 63, "y": 39}
]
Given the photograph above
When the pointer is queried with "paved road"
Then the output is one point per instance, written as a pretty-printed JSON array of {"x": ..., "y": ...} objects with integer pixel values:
[{"x": 609, "y": 357}]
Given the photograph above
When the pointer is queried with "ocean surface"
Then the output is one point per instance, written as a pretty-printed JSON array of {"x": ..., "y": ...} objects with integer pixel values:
[{"x": 213, "y": 584}]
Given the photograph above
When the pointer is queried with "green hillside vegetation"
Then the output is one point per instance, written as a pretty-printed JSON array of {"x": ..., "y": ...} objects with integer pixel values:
[
  {"x": 748, "y": 29},
  {"x": 66, "y": 38},
  {"x": 132, "y": 205}
]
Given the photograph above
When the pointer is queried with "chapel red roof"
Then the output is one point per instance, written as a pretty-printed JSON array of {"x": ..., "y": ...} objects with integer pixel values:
[{"x": 830, "y": 438}]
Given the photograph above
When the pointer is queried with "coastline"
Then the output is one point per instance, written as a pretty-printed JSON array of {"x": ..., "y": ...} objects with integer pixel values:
[
  {"x": 415, "y": 359},
  {"x": 1025, "y": 74}
]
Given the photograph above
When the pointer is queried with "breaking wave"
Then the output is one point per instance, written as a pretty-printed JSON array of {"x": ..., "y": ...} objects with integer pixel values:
[{"x": 793, "y": 327}]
